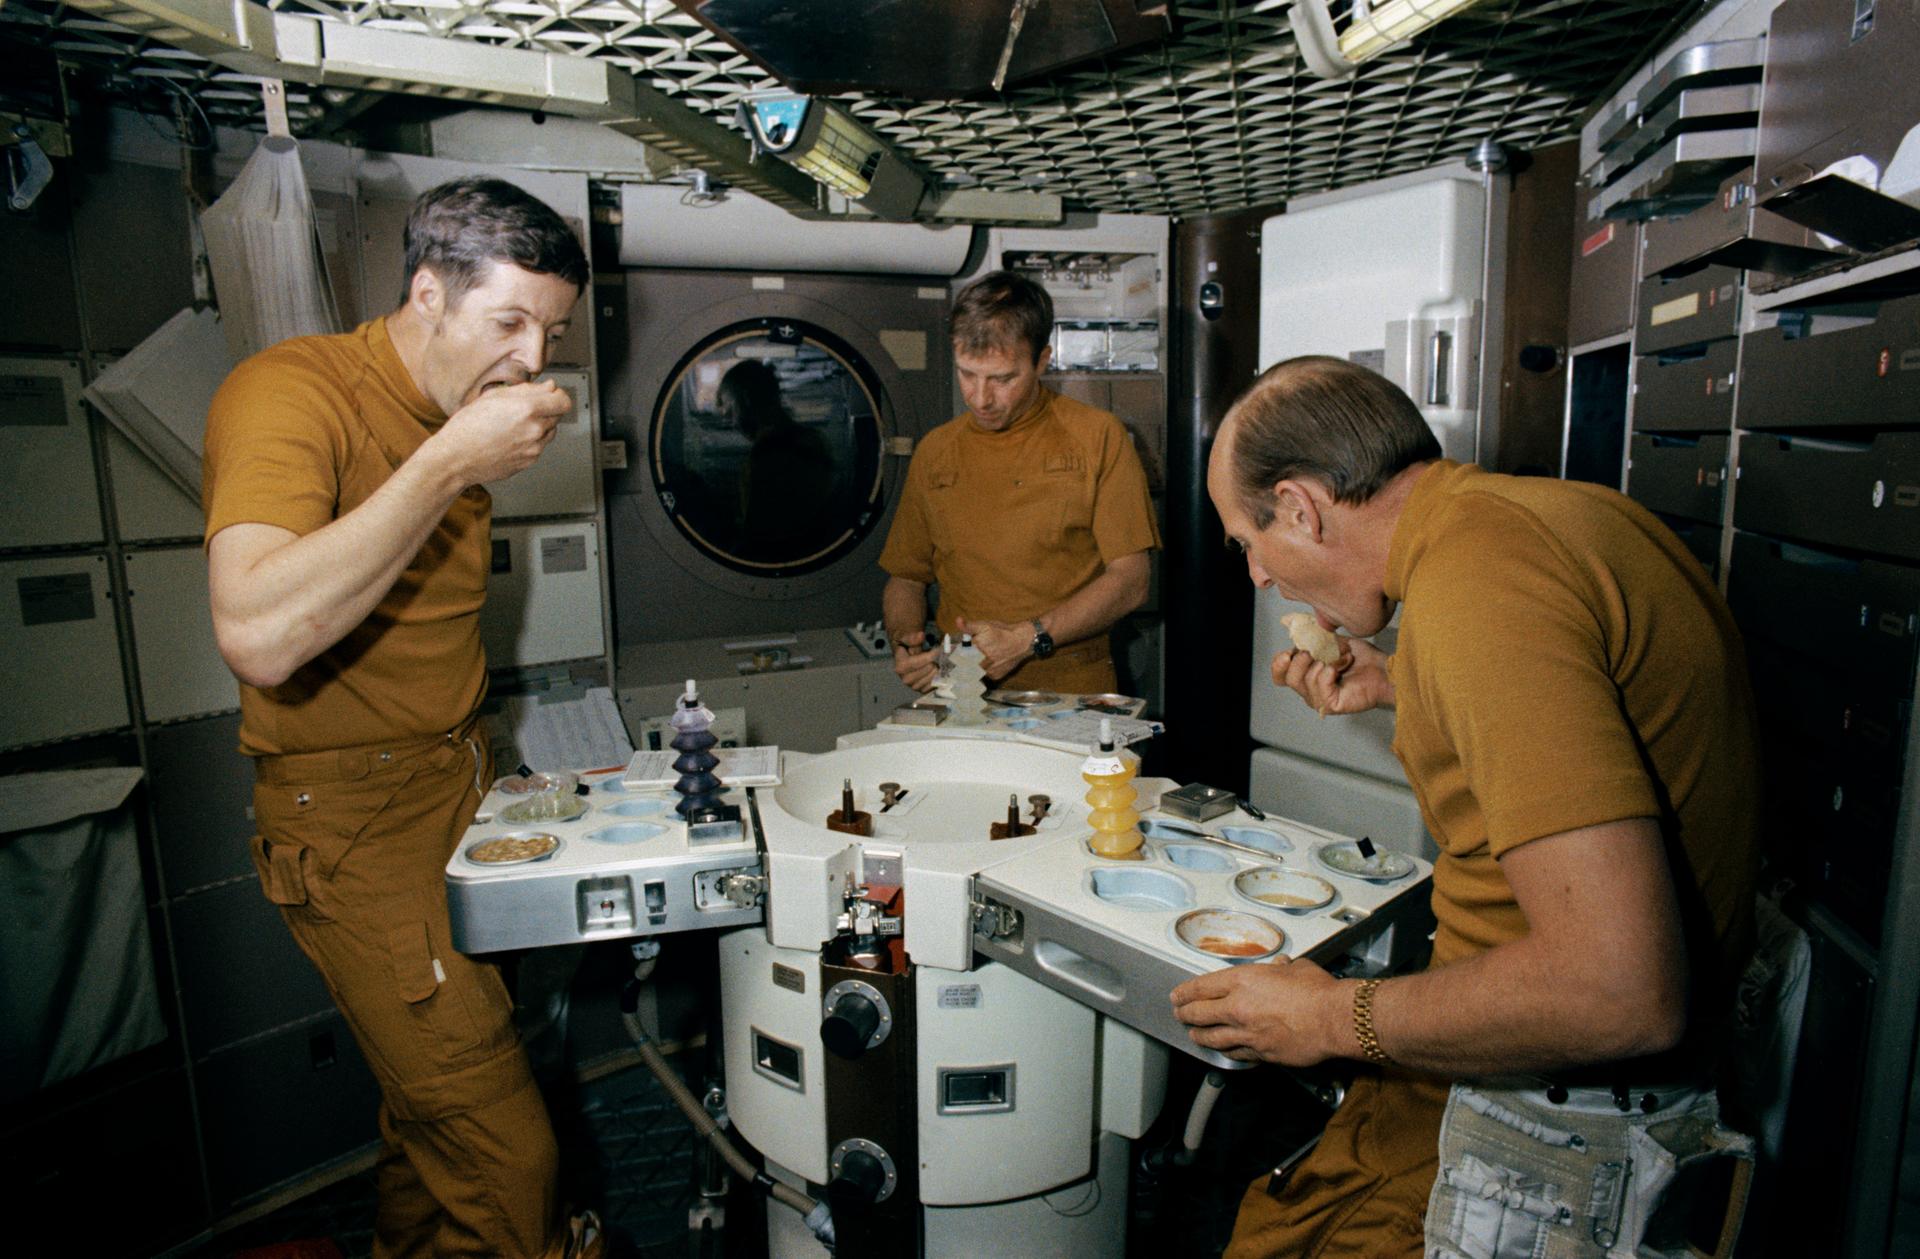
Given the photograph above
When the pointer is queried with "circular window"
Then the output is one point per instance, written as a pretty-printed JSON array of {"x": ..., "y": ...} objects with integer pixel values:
[{"x": 766, "y": 447}]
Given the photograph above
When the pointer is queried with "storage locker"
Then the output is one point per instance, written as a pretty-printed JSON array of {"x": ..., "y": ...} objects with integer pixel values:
[
  {"x": 1840, "y": 85},
  {"x": 147, "y": 505},
  {"x": 59, "y": 650},
  {"x": 1855, "y": 616},
  {"x": 240, "y": 972},
  {"x": 543, "y": 600},
  {"x": 278, "y": 1107},
  {"x": 562, "y": 481},
  {"x": 1679, "y": 476},
  {"x": 1700, "y": 306},
  {"x": 1863, "y": 495},
  {"x": 202, "y": 792},
  {"x": 1828, "y": 711},
  {"x": 51, "y": 497},
  {"x": 135, "y": 252},
  {"x": 1853, "y": 366},
  {"x": 1699, "y": 537},
  {"x": 1822, "y": 1114},
  {"x": 1830, "y": 825},
  {"x": 181, "y": 672},
  {"x": 1729, "y": 231},
  {"x": 1689, "y": 390},
  {"x": 134, "y": 1142},
  {"x": 1338, "y": 800},
  {"x": 1604, "y": 270}
]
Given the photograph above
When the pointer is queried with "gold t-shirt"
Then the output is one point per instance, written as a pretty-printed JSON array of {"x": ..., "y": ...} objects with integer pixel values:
[
  {"x": 1564, "y": 661},
  {"x": 1011, "y": 524},
  {"x": 299, "y": 435}
]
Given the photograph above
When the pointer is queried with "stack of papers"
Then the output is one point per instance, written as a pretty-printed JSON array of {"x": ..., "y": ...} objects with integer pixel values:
[{"x": 739, "y": 767}]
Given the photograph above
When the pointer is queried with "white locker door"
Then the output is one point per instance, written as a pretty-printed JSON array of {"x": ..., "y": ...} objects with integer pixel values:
[
  {"x": 181, "y": 672},
  {"x": 543, "y": 599},
  {"x": 1390, "y": 279},
  {"x": 147, "y": 505},
  {"x": 59, "y": 650},
  {"x": 561, "y": 483},
  {"x": 1338, "y": 800},
  {"x": 51, "y": 498}
]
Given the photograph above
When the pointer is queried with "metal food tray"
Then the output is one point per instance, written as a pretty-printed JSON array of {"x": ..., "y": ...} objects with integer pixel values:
[
  {"x": 1123, "y": 960},
  {"x": 596, "y": 888}
]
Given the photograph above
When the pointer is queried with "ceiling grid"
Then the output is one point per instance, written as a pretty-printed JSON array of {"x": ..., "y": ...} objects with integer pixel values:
[{"x": 1221, "y": 117}]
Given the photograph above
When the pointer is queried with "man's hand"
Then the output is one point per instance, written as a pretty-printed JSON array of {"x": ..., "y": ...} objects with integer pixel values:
[
  {"x": 501, "y": 432},
  {"x": 1291, "y": 1013},
  {"x": 1003, "y": 646},
  {"x": 919, "y": 669},
  {"x": 1357, "y": 683}
]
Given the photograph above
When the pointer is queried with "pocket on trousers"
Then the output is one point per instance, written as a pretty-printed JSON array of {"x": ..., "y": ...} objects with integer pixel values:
[
  {"x": 1484, "y": 1211},
  {"x": 282, "y": 870},
  {"x": 421, "y": 980}
]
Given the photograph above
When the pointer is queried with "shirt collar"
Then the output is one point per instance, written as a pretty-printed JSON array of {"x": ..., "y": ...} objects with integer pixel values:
[
  {"x": 1410, "y": 533},
  {"x": 396, "y": 436}
]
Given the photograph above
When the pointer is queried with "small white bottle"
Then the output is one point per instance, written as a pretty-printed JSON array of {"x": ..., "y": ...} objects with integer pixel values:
[{"x": 968, "y": 679}]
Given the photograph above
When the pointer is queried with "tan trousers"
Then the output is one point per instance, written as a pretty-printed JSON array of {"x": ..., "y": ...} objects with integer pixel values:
[
  {"x": 353, "y": 847},
  {"x": 1362, "y": 1192}
]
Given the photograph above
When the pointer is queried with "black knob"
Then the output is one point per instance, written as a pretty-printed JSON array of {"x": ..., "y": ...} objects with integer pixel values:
[
  {"x": 850, "y": 1024},
  {"x": 861, "y": 1178}
]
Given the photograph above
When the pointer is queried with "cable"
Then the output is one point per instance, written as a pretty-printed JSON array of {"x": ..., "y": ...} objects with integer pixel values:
[
  {"x": 815, "y": 1212},
  {"x": 1203, "y": 1102}
]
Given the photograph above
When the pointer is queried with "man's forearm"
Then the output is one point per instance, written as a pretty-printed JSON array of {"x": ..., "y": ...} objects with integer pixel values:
[
  {"x": 903, "y": 608},
  {"x": 1098, "y": 605},
  {"x": 280, "y": 600}
]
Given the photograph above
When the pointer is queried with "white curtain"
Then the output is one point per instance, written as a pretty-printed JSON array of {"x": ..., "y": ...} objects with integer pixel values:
[{"x": 268, "y": 275}]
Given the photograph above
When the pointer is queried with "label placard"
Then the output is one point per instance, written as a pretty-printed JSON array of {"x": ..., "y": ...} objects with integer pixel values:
[
  {"x": 789, "y": 978},
  {"x": 566, "y": 554},
  {"x": 960, "y": 997},
  {"x": 55, "y": 598},
  {"x": 32, "y": 402}
]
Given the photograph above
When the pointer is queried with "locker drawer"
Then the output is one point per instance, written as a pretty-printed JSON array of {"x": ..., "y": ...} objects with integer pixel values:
[
  {"x": 1700, "y": 306},
  {"x": 1672, "y": 244},
  {"x": 202, "y": 802},
  {"x": 1812, "y": 710},
  {"x": 278, "y": 1107},
  {"x": 1834, "y": 830},
  {"x": 59, "y": 650},
  {"x": 1679, "y": 476},
  {"x": 240, "y": 973},
  {"x": 1701, "y": 538},
  {"x": 1857, "y": 617},
  {"x": 1687, "y": 391},
  {"x": 1863, "y": 495},
  {"x": 1602, "y": 280},
  {"x": 1855, "y": 366}
]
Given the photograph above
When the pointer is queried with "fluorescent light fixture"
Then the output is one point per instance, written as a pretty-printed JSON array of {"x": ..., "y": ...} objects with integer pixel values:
[
  {"x": 1378, "y": 28},
  {"x": 827, "y": 143},
  {"x": 1372, "y": 30}
]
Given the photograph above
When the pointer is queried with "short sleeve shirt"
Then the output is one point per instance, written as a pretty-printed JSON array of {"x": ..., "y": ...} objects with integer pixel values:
[
  {"x": 298, "y": 436},
  {"x": 1563, "y": 661},
  {"x": 1010, "y": 524}
]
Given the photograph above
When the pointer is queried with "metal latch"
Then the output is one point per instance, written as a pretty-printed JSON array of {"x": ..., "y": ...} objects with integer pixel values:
[
  {"x": 743, "y": 888},
  {"x": 994, "y": 920}
]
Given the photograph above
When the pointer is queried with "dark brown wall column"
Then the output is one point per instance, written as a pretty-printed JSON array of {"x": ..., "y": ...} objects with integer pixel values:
[{"x": 1208, "y": 600}]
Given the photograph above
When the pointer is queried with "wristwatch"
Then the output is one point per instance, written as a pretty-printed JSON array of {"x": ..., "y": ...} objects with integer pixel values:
[{"x": 1042, "y": 641}]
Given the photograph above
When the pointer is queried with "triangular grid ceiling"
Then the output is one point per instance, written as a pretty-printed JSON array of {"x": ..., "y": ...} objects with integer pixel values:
[{"x": 1222, "y": 118}]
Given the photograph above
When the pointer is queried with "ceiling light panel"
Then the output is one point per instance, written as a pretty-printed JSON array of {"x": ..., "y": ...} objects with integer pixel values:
[{"x": 1222, "y": 117}]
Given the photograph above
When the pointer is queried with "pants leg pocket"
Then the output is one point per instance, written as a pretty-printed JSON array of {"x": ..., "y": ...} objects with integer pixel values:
[
  {"x": 1486, "y": 1211},
  {"x": 420, "y": 978},
  {"x": 283, "y": 875},
  {"x": 1690, "y": 1181}
]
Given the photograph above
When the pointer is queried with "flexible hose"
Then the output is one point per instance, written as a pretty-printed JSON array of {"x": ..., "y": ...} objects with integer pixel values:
[
  {"x": 704, "y": 1125},
  {"x": 1203, "y": 1101}
]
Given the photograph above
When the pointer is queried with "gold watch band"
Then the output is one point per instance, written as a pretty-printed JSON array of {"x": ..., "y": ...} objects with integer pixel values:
[{"x": 1363, "y": 1023}]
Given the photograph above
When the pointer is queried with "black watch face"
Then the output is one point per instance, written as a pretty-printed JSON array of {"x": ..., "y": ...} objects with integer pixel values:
[{"x": 1043, "y": 644}]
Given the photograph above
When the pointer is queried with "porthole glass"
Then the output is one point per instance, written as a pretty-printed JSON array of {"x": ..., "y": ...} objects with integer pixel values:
[{"x": 766, "y": 447}]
